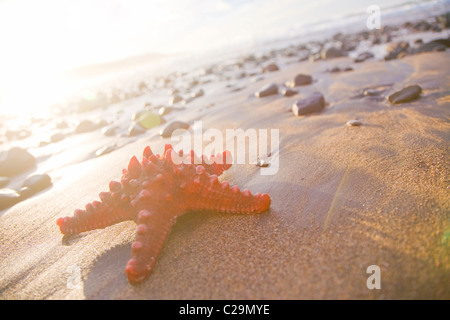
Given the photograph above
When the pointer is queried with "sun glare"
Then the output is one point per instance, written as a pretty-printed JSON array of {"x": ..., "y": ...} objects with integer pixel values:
[
  {"x": 51, "y": 37},
  {"x": 30, "y": 93}
]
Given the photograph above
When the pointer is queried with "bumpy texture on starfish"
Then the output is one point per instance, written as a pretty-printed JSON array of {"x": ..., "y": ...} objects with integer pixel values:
[{"x": 154, "y": 193}]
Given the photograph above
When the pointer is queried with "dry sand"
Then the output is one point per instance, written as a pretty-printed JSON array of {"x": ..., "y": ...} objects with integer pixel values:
[{"x": 344, "y": 198}]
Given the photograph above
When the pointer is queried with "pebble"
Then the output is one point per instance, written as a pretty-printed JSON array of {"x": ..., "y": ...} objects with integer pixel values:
[
  {"x": 337, "y": 69},
  {"x": 435, "y": 45},
  {"x": 397, "y": 50},
  {"x": 407, "y": 94},
  {"x": 363, "y": 56},
  {"x": 314, "y": 103},
  {"x": 163, "y": 111},
  {"x": 175, "y": 99},
  {"x": 289, "y": 92},
  {"x": 299, "y": 80},
  {"x": 354, "y": 123},
  {"x": 267, "y": 90},
  {"x": 142, "y": 86},
  {"x": 237, "y": 89},
  {"x": 8, "y": 198},
  {"x": 372, "y": 92},
  {"x": 207, "y": 71},
  {"x": 270, "y": 68},
  {"x": 167, "y": 131},
  {"x": 193, "y": 82},
  {"x": 37, "y": 182},
  {"x": 333, "y": 53},
  {"x": 14, "y": 161},
  {"x": 173, "y": 92},
  {"x": 149, "y": 120},
  {"x": 198, "y": 93},
  {"x": 262, "y": 163}
]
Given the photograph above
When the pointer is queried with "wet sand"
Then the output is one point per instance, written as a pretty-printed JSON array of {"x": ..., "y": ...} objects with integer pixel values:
[{"x": 344, "y": 198}]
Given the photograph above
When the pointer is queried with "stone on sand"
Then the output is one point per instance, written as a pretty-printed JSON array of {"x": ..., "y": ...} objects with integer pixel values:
[
  {"x": 15, "y": 161},
  {"x": 435, "y": 45},
  {"x": 354, "y": 123},
  {"x": 270, "y": 68},
  {"x": 262, "y": 163},
  {"x": 333, "y": 53},
  {"x": 288, "y": 92},
  {"x": 397, "y": 50},
  {"x": 37, "y": 182},
  {"x": 299, "y": 80},
  {"x": 313, "y": 103},
  {"x": 175, "y": 99},
  {"x": 363, "y": 56},
  {"x": 372, "y": 92},
  {"x": 267, "y": 90},
  {"x": 197, "y": 94},
  {"x": 149, "y": 120},
  {"x": 407, "y": 94}
]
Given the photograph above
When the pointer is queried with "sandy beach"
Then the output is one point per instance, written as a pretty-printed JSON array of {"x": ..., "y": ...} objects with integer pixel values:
[{"x": 344, "y": 197}]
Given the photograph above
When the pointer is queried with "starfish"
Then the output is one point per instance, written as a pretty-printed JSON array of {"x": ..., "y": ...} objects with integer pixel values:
[{"x": 154, "y": 193}]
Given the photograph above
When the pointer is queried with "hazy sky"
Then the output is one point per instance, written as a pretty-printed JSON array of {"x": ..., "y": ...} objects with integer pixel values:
[{"x": 58, "y": 34}]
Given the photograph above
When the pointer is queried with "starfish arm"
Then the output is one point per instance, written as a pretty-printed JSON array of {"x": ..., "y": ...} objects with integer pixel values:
[
  {"x": 217, "y": 164},
  {"x": 235, "y": 202},
  {"x": 151, "y": 233},
  {"x": 210, "y": 194},
  {"x": 97, "y": 215}
]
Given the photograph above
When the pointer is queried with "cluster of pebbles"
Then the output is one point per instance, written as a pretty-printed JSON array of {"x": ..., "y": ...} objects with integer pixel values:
[{"x": 178, "y": 91}]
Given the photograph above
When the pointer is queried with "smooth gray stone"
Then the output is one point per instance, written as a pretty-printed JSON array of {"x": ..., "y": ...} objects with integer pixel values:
[
  {"x": 314, "y": 103},
  {"x": 15, "y": 161},
  {"x": 267, "y": 90},
  {"x": 407, "y": 94}
]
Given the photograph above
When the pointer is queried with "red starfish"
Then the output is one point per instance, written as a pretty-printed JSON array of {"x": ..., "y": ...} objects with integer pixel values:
[{"x": 154, "y": 193}]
